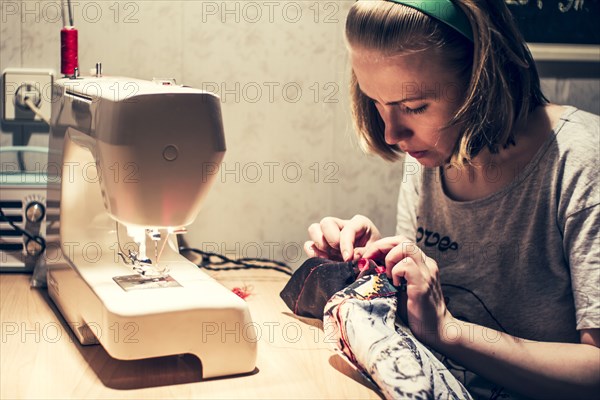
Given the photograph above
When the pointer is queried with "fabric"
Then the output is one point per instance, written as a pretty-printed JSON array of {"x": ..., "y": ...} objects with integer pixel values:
[
  {"x": 362, "y": 319},
  {"x": 314, "y": 283},
  {"x": 524, "y": 260}
]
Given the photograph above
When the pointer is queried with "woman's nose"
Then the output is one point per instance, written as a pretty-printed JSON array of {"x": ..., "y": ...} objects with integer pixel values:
[{"x": 395, "y": 129}]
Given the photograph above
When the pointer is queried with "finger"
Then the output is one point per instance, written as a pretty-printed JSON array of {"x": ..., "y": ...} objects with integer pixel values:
[
  {"x": 393, "y": 250},
  {"x": 405, "y": 250},
  {"x": 409, "y": 270},
  {"x": 316, "y": 236},
  {"x": 347, "y": 237},
  {"x": 358, "y": 253},
  {"x": 379, "y": 249},
  {"x": 368, "y": 232},
  {"x": 311, "y": 251},
  {"x": 309, "y": 248},
  {"x": 331, "y": 228},
  {"x": 352, "y": 234}
]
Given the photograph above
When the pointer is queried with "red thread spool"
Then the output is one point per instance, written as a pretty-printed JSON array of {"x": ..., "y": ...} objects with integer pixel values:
[{"x": 68, "y": 51}]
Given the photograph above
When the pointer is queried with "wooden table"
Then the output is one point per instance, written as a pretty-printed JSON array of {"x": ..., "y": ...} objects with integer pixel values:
[{"x": 40, "y": 358}]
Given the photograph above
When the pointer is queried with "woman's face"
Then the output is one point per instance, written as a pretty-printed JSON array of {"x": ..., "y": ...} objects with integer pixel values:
[{"x": 416, "y": 97}]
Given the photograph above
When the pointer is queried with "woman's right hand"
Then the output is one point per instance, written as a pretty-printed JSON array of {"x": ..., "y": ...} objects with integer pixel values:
[{"x": 339, "y": 239}]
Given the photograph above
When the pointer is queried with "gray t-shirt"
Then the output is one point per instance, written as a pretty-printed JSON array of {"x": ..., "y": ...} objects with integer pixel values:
[{"x": 524, "y": 260}]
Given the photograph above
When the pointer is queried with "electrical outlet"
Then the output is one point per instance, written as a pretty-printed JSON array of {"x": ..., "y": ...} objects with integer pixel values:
[{"x": 20, "y": 84}]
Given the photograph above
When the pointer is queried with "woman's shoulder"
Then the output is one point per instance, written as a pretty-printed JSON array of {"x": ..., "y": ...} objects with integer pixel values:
[
  {"x": 577, "y": 135},
  {"x": 578, "y": 128},
  {"x": 577, "y": 157}
]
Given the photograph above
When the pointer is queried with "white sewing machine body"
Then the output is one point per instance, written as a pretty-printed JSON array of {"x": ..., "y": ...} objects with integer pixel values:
[{"x": 129, "y": 155}]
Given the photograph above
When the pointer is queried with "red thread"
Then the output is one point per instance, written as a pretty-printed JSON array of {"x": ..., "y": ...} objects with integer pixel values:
[
  {"x": 363, "y": 264},
  {"x": 242, "y": 292},
  {"x": 68, "y": 51}
]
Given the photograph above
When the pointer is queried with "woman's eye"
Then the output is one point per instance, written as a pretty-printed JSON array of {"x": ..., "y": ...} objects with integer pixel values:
[
  {"x": 403, "y": 108},
  {"x": 418, "y": 110}
]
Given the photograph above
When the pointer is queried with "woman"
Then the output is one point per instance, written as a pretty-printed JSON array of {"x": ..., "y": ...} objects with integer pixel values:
[{"x": 498, "y": 212}]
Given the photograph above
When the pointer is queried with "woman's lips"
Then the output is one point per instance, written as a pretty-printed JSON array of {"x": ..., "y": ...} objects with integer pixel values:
[{"x": 417, "y": 154}]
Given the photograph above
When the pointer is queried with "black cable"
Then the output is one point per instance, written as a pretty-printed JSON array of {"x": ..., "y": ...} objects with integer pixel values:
[
  {"x": 499, "y": 391},
  {"x": 21, "y": 161},
  {"x": 38, "y": 239},
  {"x": 479, "y": 300},
  {"x": 240, "y": 263}
]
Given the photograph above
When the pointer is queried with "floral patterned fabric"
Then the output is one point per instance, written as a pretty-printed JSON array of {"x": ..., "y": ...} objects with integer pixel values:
[{"x": 363, "y": 317}]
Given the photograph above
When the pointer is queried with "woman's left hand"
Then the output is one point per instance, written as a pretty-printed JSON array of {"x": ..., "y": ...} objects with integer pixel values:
[{"x": 425, "y": 306}]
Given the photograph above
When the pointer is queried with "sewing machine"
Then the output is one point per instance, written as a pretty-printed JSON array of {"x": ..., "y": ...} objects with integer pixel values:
[{"x": 128, "y": 163}]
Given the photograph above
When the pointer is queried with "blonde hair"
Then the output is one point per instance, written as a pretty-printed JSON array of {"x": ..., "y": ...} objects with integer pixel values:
[{"x": 501, "y": 81}]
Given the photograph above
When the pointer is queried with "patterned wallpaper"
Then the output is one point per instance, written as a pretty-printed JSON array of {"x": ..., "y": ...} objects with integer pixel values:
[{"x": 281, "y": 70}]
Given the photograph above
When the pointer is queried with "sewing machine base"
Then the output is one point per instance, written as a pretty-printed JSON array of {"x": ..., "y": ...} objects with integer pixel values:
[{"x": 199, "y": 316}]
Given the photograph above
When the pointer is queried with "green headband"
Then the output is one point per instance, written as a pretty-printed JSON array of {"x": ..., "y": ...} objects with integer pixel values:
[{"x": 444, "y": 11}]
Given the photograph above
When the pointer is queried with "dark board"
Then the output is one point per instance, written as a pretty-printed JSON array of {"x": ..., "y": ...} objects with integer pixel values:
[{"x": 558, "y": 21}]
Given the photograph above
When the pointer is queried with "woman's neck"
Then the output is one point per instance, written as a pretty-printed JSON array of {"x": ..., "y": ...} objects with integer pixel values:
[{"x": 491, "y": 172}]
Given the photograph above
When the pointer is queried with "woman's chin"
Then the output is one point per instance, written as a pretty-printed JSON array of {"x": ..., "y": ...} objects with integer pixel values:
[{"x": 430, "y": 162}]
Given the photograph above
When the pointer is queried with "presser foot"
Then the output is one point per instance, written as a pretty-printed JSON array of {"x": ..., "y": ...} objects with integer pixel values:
[{"x": 143, "y": 267}]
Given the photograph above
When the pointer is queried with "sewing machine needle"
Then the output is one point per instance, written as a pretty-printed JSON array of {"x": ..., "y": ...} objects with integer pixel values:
[{"x": 162, "y": 247}]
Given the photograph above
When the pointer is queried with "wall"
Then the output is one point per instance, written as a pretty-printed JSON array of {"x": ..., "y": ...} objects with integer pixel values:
[{"x": 281, "y": 69}]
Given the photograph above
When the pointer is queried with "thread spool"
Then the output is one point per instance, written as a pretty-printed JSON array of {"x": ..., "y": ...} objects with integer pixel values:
[{"x": 68, "y": 51}]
